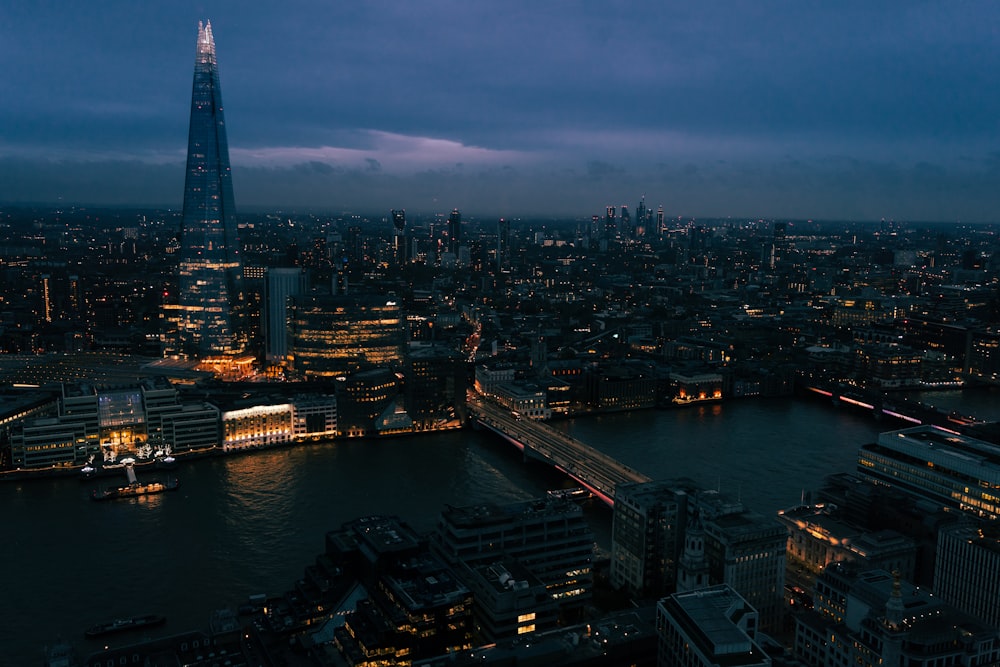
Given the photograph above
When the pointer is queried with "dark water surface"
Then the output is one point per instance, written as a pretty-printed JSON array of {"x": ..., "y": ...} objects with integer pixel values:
[{"x": 250, "y": 524}]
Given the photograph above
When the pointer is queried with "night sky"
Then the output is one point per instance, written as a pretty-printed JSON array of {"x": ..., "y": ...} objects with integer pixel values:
[{"x": 845, "y": 110}]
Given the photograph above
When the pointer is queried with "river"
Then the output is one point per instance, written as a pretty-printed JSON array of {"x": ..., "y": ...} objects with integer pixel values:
[{"x": 249, "y": 524}]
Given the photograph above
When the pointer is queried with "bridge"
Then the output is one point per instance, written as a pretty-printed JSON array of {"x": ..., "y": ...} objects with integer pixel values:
[{"x": 596, "y": 471}]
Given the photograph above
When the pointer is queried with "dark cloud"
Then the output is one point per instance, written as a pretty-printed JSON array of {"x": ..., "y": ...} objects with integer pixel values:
[{"x": 755, "y": 104}]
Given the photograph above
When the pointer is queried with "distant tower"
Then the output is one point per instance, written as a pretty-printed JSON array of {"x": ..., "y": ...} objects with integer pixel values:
[
  {"x": 503, "y": 245},
  {"x": 641, "y": 216},
  {"x": 609, "y": 223},
  {"x": 661, "y": 226},
  {"x": 399, "y": 235},
  {"x": 454, "y": 230},
  {"x": 46, "y": 283},
  {"x": 626, "y": 223},
  {"x": 210, "y": 315}
]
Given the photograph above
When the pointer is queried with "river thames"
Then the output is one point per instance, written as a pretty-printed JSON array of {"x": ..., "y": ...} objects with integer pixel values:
[{"x": 249, "y": 524}]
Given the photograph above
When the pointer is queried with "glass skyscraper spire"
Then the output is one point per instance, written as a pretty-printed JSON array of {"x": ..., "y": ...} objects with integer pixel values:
[{"x": 210, "y": 314}]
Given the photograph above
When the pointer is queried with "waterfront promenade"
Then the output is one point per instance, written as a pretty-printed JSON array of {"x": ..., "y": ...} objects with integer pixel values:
[{"x": 592, "y": 468}]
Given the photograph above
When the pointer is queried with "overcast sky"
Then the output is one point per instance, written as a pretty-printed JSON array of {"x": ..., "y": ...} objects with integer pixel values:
[{"x": 797, "y": 109}]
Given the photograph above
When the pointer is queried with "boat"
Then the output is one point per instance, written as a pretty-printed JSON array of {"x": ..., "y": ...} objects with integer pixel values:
[
  {"x": 576, "y": 494},
  {"x": 167, "y": 462},
  {"x": 134, "y": 490},
  {"x": 124, "y": 624}
]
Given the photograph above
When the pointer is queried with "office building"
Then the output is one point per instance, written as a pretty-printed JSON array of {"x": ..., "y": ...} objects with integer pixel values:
[
  {"x": 548, "y": 536},
  {"x": 281, "y": 283},
  {"x": 454, "y": 231},
  {"x": 647, "y": 535},
  {"x": 436, "y": 385},
  {"x": 711, "y": 627},
  {"x": 875, "y": 619},
  {"x": 208, "y": 319},
  {"x": 982, "y": 361},
  {"x": 510, "y": 601},
  {"x": 965, "y": 571},
  {"x": 415, "y": 608},
  {"x": 819, "y": 535},
  {"x": 503, "y": 245},
  {"x": 936, "y": 464},
  {"x": 399, "y": 253},
  {"x": 745, "y": 550},
  {"x": 334, "y": 336},
  {"x": 110, "y": 423}
]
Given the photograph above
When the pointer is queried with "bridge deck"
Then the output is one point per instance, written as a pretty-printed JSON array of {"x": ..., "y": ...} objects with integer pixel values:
[{"x": 595, "y": 470}]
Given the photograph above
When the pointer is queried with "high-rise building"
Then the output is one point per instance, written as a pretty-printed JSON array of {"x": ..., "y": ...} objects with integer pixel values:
[
  {"x": 626, "y": 223},
  {"x": 454, "y": 231},
  {"x": 503, "y": 245},
  {"x": 968, "y": 556},
  {"x": 330, "y": 336},
  {"x": 399, "y": 236},
  {"x": 747, "y": 551},
  {"x": 609, "y": 223},
  {"x": 281, "y": 284},
  {"x": 647, "y": 535},
  {"x": 209, "y": 314}
]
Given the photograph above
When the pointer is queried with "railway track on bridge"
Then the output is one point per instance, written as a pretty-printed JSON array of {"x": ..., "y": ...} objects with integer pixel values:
[{"x": 594, "y": 469}]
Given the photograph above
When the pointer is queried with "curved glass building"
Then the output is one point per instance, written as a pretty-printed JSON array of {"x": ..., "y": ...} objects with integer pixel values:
[{"x": 209, "y": 317}]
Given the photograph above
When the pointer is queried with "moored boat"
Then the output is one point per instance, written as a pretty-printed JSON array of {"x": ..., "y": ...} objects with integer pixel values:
[
  {"x": 124, "y": 624},
  {"x": 134, "y": 490}
]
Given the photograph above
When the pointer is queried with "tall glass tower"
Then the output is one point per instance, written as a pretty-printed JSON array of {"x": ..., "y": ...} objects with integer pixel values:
[{"x": 210, "y": 320}]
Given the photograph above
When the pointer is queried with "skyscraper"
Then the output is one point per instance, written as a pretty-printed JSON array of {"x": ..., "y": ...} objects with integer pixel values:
[
  {"x": 454, "y": 231},
  {"x": 399, "y": 236},
  {"x": 209, "y": 314}
]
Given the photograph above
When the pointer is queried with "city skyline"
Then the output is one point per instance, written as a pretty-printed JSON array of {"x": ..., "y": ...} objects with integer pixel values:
[{"x": 726, "y": 110}]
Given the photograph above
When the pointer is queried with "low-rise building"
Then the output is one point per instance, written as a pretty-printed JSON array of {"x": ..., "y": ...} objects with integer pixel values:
[{"x": 710, "y": 627}]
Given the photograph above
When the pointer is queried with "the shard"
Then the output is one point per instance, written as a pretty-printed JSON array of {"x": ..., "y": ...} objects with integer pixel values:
[{"x": 210, "y": 315}]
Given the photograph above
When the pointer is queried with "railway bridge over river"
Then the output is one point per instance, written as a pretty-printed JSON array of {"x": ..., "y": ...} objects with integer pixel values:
[{"x": 596, "y": 471}]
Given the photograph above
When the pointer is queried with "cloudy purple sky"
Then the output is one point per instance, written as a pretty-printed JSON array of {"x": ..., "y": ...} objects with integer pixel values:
[{"x": 847, "y": 110}]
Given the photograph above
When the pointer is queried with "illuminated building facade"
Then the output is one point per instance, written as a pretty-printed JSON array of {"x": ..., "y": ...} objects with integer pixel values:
[
  {"x": 333, "y": 336},
  {"x": 936, "y": 464},
  {"x": 315, "y": 416},
  {"x": 208, "y": 319},
  {"x": 817, "y": 538},
  {"x": 110, "y": 423},
  {"x": 256, "y": 427},
  {"x": 696, "y": 388}
]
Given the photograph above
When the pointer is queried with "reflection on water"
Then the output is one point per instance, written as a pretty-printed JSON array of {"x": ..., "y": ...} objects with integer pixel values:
[{"x": 249, "y": 524}]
